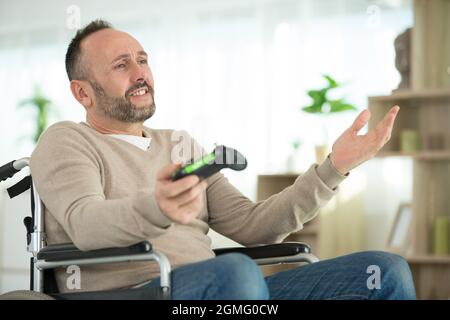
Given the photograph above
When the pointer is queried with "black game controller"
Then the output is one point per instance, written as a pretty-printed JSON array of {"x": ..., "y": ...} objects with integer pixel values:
[{"x": 222, "y": 157}]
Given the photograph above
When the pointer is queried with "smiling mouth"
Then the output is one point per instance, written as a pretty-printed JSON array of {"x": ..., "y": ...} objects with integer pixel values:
[{"x": 139, "y": 92}]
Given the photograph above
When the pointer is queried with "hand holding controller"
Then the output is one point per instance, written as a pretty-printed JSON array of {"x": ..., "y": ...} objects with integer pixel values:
[{"x": 222, "y": 157}]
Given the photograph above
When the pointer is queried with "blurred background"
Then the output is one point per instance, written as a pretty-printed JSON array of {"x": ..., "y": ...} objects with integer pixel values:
[{"x": 231, "y": 72}]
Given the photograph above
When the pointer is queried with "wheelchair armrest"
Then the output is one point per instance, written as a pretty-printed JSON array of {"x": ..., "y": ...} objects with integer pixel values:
[
  {"x": 68, "y": 251},
  {"x": 284, "y": 249},
  {"x": 61, "y": 255}
]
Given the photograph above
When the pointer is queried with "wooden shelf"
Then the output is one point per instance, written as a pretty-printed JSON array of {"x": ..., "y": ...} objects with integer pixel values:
[
  {"x": 309, "y": 231},
  {"x": 428, "y": 259},
  {"x": 421, "y": 155},
  {"x": 413, "y": 95},
  {"x": 427, "y": 112},
  {"x": 270, "y": 184}
]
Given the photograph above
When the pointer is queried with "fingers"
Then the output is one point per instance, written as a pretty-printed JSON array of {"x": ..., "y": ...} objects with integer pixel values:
[
  {"x": 386, "y": 125},
  {"x": 186, "y": 206},
  {"x": 188, "y": 196},
  {"x": 360, "y": 121},
  {"x": 173, "y": 188},
  {"x": 169, "y": 188},
  {"x": 166, "y": 172},
  {"x": 384, "y": 128},
  {"x": 181, "y": 200},
  {"x": 389, "y": 121},
  {"x": 389, "y": 118},
  {"x": 191, "y": 209},
  {"x": 188, "y": 212}
]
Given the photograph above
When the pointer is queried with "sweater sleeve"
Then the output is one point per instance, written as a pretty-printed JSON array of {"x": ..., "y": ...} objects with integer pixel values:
[
  {"x": 67, "y": 173},
  {"x": 271, "y": 220}
]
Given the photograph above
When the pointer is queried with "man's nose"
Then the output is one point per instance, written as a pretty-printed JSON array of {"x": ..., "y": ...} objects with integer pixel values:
[{"x": 138, "y": 73}]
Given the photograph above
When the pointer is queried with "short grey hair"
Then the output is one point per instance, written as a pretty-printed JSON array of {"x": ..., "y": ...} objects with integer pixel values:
[{"x": 74, "y": 66}]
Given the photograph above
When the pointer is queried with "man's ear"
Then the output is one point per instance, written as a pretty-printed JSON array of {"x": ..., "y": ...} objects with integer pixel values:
[{"x": 81, "y": 92}]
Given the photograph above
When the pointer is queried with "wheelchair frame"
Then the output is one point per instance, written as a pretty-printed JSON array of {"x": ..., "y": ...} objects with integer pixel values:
[{"x": 48, "y": 257}]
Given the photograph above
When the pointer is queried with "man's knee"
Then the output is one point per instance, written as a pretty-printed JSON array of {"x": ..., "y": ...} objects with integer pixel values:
[
  {"x": 244, "y": 277},
  {"x": 396, "y": 278}
]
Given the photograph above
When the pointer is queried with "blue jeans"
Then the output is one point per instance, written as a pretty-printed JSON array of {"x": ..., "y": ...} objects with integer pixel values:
[{"x": 235, "y": 276}]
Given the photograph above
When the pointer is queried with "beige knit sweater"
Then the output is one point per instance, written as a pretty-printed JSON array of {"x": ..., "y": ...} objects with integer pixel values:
[{"x": 98, "y": 193}]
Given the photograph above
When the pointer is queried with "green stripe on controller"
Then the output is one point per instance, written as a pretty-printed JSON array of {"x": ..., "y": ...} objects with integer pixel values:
[{"x": 200, "y": 163}]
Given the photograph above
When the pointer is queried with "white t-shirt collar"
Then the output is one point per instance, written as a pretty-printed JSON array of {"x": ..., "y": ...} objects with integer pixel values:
[{"x": 140, "y": 142}]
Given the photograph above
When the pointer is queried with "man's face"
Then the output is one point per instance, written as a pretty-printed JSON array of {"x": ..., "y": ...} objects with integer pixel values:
[{"x": 118, "y": 71}]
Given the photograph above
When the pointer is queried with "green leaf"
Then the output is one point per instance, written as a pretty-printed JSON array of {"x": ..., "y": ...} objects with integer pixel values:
[
  {"x": 339, "y": 106},
  {"x": 26, "y": 102},
  {"x": 320, "y": 99},
  {"x": 296, "y": 144},
  {"x": 41, "y": 101},
  {"x": 318, "y": 96},
  {"x": 331, "y": 82},
  {"x": 42, "y": 106},
  {"x": 311, "y": 109}
]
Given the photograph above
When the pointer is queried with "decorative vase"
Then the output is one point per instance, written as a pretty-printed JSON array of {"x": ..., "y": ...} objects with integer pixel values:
[
  {"x": 441, "y": 235},
  {"x": 409, "y": 140},
  {"x": 322, "y": 152}
]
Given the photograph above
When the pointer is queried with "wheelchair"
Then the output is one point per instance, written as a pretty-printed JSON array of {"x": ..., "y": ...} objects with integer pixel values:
[{"x": 44, "y": 258}]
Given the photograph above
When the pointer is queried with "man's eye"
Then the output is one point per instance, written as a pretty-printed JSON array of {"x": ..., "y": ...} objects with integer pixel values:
[
  {"x": 120, "y": 66},
  {"x": 144, "y": 61}
]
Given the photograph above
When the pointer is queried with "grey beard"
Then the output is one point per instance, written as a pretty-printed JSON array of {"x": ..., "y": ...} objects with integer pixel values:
[{"x": 121, "y": 108}]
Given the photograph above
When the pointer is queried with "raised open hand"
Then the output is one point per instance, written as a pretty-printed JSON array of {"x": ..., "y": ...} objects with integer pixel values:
[{"x": 351, "y": 149}]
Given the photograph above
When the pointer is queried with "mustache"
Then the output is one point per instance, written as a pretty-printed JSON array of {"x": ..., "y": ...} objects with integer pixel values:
[{"x": 137, "y": 86}]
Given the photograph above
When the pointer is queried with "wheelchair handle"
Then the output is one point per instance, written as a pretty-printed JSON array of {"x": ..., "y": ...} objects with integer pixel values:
[{"x": 10, "y": 169}]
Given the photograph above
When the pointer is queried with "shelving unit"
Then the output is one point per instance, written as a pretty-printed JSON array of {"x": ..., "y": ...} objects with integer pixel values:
[
  {"x": 271, "y": 184},
  {"x": 431, "y": 276},
  {"x": 428, "y": 112},
  {"x": 422, "y": 155}
]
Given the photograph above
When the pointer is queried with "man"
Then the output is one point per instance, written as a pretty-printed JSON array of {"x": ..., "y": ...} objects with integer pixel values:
[{"x": 107, "y": 183}]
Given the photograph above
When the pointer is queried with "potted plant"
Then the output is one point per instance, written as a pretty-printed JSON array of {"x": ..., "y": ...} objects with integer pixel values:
[
  {"x": 43, "y": 107},
  {"x": 322, "y": 105},
  {"x": 293, "y": 159}
]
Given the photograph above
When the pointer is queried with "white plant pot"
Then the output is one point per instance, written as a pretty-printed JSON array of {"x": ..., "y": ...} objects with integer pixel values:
[
  {"x": 322, "y": 152},
  {"x": 293, "y": 162}
]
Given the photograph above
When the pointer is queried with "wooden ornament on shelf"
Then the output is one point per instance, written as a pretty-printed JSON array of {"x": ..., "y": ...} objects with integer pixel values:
[
  {"x": 402, "y": 46},
  {"x": 409, "y": 140},
  {"x": 440, "y": 235}
]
